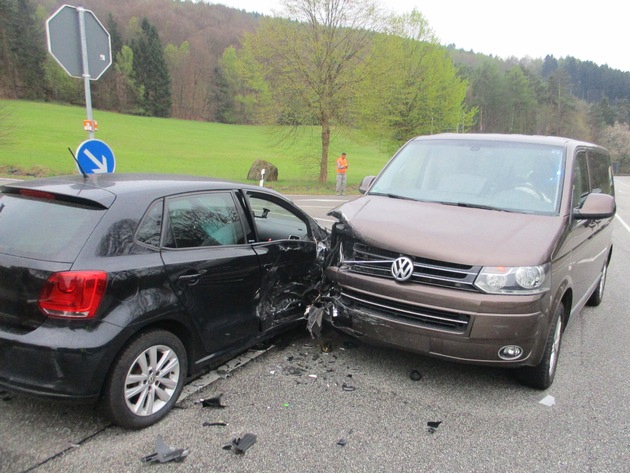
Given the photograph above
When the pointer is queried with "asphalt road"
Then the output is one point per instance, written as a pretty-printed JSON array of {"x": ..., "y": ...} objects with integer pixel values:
[{"x": 293, "y": 399}]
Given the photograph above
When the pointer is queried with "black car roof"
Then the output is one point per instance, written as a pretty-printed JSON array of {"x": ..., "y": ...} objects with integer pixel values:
[{"x": 104, "y": 188}]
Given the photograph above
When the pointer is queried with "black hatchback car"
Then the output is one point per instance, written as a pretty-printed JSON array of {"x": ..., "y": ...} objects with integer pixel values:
[{"x": 118, "y": 287}]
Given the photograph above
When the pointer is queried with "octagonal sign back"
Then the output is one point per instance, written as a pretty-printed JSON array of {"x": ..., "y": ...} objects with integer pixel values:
[{"x": 64, "y": 42}]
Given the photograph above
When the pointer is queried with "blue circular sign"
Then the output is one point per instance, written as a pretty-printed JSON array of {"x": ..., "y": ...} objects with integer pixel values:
[{"x": 95, "y": 157}]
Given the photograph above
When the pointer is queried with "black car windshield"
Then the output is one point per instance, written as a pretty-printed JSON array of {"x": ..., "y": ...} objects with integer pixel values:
[
  {"x": 512, "y": 176},
  {"x": 44, "y": 229}
]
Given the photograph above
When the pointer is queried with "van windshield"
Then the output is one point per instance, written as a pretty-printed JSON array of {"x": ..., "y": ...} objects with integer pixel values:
[{"x": 510, "y": 176}]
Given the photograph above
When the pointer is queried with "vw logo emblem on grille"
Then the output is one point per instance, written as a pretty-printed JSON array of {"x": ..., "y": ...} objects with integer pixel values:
[{"x": 402, "y": 269}]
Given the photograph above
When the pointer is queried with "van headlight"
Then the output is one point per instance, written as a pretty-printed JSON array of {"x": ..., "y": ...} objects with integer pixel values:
[{"x": 514, "y": 280}]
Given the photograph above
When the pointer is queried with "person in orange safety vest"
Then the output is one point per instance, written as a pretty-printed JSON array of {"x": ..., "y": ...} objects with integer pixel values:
[{"x": 342, "y": 167}]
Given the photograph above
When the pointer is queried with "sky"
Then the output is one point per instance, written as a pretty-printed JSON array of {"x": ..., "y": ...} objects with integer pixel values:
[{"x": 589, "y": 31}]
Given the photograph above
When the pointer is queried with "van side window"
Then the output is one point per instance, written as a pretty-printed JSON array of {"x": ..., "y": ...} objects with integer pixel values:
[
  {"x": 581, "y": 186},
  {"x": 601, "y": 173}
]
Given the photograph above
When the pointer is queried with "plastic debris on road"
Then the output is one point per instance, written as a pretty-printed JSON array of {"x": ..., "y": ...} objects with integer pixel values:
[
  {"x": 242, "y": 444},
  {"x": 219, "y": 423},
  {"x": 212, "y": 402},
  {"x": 164, "y": 454},
  {"x": 548, "y": 401},
  {"x": 415, "y": 375},
  {"x": 432, "y": 426}
]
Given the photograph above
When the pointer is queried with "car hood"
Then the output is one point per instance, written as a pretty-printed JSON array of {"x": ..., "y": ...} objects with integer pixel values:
[{"x": 450, "y": 233}]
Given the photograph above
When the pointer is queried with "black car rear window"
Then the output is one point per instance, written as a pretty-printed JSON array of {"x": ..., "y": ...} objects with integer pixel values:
[{"x": 44, "y": 229}]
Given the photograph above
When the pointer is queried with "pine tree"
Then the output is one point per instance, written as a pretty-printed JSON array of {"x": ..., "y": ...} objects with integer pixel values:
[{"x": 151, "y": 71}]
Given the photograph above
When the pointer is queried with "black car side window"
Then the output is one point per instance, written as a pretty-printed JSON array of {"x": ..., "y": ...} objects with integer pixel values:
[
  {"x": 199, "y": 220},
  {"x": 274, "y": 221},
  {"x": 151, "y": 226}
]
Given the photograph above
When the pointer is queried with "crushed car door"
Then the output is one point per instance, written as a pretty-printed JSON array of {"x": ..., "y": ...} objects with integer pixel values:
[
  {"x": 288, "y": 257},
  {"x": 213, "y": 270}
]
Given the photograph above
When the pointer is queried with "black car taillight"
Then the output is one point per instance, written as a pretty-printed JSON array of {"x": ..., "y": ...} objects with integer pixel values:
[{"x": 73, "y": 294}]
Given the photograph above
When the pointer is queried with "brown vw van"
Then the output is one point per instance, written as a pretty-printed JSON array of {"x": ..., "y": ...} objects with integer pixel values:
[{"x": 476, "y": 248}]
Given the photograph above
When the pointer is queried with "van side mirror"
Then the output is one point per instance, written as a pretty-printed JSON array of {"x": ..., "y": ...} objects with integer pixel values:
[
  {"x": 595, "y": 207},
  {"x": 366, "y": 183}
]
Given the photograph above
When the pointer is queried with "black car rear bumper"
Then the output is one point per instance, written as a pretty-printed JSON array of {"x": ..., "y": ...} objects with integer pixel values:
[{"x": 60, "y": 363}]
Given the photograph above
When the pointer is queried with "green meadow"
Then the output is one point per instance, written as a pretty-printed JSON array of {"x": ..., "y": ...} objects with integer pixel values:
[{"x": 35, "y": 137}]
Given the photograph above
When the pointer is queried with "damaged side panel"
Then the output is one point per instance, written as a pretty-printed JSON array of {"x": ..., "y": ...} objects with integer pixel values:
[{"x": 291, "y": 275}]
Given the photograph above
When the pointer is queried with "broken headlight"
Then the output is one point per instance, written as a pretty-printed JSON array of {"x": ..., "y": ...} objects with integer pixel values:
[{"x": 514, "y": 280}]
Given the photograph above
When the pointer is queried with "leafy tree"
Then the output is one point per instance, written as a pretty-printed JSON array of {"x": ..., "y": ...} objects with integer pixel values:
[
  {"x": 312, "y": 61},
  {"x": 245, "y": 95},
  {"x": 488, "y": 94},
  {"x": 412, "y": 85},
  {"x": 617, "y": 139},
  {"x": 22, "y": 50},
  {"x": 61, "y": 87},
  {"x": 522, "y": 102},
  {"x": 177, "y": 59},
  {"x": 151, "y": 71},
  {"x": 128, "y": 93}
]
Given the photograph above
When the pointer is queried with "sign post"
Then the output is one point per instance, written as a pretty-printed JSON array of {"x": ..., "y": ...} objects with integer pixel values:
[{"x": 82, "y": 46}]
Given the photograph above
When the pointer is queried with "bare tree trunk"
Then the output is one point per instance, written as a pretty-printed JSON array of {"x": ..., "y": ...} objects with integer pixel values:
[{"x": 323, "y": 164}]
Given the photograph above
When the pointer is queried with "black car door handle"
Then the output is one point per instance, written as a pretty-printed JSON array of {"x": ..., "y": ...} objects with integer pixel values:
[{"x": 192, "y": 278}]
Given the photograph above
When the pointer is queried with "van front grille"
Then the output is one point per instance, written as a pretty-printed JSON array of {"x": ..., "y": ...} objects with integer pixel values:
[
  {"x": 452, "y": 322},
  {"x": 377, "y": 262}
]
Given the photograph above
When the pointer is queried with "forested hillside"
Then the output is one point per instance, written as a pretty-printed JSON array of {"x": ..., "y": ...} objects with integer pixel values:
[{"x": 186, "y": 60}]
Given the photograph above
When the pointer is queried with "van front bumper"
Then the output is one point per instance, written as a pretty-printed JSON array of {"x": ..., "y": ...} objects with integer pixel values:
[{"x": 463, "y": 326}]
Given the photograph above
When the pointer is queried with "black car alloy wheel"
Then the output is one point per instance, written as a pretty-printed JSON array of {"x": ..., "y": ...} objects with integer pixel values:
[{"x": 145, "y": 380}]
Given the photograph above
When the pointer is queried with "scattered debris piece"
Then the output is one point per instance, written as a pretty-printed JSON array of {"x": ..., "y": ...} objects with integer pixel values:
[
  {"x": 342, "y": 442},
  {"x": 347, "y": 387},
  {"x": 212, "y": 402},
  {"x": 326, "y": 346},
  {"x": 241, "y": 444},
  {"x": 164, "y": 454},
  {"x": 415, "y": 375},
  {"x": 220, "y": 423},
  {"x": 5, "y": 396},
  {"x": 314, "y": 376},
  {"x": 432, "y": 426},
  {"x": 548, "y": 401},
  {"x": 293, "y": 370},
  {"x": 314, "y": 319}
]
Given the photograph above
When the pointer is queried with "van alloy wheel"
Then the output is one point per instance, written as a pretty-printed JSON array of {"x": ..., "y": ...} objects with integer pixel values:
[
  {"x": 542, "y": 375},
  {"x": 598, "y": 295}
]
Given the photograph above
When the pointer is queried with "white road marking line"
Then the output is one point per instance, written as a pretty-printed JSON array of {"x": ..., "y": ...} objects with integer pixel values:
[{"x": 626, "y": 226}]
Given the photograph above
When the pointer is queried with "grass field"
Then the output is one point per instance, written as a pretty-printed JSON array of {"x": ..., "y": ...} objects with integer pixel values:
[{"x": 35, "y": 137}]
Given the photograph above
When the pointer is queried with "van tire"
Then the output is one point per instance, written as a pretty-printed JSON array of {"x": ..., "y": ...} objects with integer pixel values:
[
  {"x": 137, "y": 369},
  {"x": 542, "y": 375},
  {"x": 598, "y": 295}
]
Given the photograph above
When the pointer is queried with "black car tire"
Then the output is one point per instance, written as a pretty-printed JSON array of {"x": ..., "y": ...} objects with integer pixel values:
[
  {"x": 598, "y": 295},
  {"x": 146, "y": 380},
  {"x": 541, "y": 376}
]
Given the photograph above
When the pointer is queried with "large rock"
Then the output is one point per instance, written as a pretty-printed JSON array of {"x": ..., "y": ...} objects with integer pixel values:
[{"x": 271, "y": 171}]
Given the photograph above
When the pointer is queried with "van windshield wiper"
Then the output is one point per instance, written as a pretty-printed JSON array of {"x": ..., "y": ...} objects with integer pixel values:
[
  {"x": 392, "y": 196},
  {"x": 475, "y": 206}
]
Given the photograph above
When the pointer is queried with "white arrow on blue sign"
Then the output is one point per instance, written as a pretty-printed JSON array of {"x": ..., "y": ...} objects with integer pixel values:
[{"x": 95, "y": 157}]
